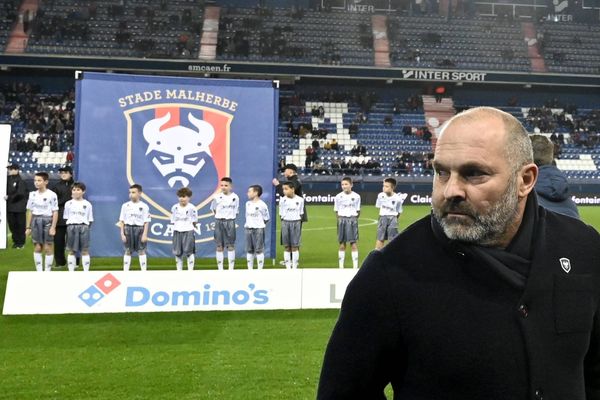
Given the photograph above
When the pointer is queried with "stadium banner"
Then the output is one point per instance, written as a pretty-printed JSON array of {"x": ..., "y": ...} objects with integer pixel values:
[
  {"x": 325, "y": 288},
  {"x": 169, "y": 291},
  {"x": 165, "y": 133},
  {"x": 4, "y": 150},
  {"x": 221, "y": 68}
]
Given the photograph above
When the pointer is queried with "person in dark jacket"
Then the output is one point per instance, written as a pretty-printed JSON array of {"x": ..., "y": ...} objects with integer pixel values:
[
  {"x": 16, "y": 202},
  {"x": 63, "y": 191},
  {"x": 491, "y": 297},
  {"x": 551, "y": 187}
]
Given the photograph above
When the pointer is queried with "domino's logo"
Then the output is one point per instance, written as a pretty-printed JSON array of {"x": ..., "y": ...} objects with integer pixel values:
[{"x": 99, "y": 289}]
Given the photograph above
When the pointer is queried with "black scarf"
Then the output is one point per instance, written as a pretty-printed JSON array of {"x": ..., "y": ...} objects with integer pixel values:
[{"x": 511, "y": 264}]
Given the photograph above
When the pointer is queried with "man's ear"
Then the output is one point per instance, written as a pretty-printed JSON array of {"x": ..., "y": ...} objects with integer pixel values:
[{"x": 527, "y": 179}]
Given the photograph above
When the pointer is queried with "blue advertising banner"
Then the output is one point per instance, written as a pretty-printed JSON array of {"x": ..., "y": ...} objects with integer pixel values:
[{"x": 166, "y": 133}]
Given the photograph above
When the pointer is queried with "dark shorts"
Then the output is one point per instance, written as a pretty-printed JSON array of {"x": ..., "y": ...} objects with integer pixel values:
[
  {"x": 387, "y": 227},
  {"x": 40, "y": 230},
  {"x": 133, "y": 238},
  {"x": 255, "y": 240},
  {"x": 224, "y": 232},
  {"x": 78, "y": 237},
  {"x": 291, "y": 233},
  {"x": 184, "y": 243},
  {"x": 347, "y": 228}
]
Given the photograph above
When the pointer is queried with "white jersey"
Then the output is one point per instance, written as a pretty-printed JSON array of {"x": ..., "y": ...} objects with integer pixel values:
[
  {"x": 183, "y": 218},
  {"x": 135, "y": 213},
  {"x": 291, "y": 209},
  {"x": 225, "y": 206},
  {"x": 347, "y": 205},
  {"x": 78, "y": 212},
  {"x": 42, "y": 204},
  {"x": 257, "y": 213},
  {"x": 389, "y": 205}
]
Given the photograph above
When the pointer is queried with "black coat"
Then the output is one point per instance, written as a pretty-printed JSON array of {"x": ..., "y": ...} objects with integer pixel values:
[
  {"x": 63, "y": 193},
  {"x": 17, "y": 194},
  {"x": 439, "y": 324}
]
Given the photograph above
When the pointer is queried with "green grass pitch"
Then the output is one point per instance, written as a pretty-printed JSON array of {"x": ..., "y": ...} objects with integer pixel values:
[{"x": 196, "y": 355}]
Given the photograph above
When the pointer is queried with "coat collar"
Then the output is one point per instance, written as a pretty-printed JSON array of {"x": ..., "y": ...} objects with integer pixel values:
[{"x": 512, "y": 264}]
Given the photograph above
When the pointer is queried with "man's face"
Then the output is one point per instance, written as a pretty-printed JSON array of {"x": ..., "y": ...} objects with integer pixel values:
[
  {"x": 65, "y": 175},
  {"x": 13, "y": 172},
  {"x": 475, "y": 192},
  {"x": 134, "y": 195},
  {"x": 288, "y": 173},
  {"x": 346, "y": 186},
  {"x": 251, "y": 194},
  {"x": 225, "y": 187}
]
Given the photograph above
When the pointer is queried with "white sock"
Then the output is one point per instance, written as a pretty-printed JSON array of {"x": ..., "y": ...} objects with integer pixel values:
[
  {"x": 126, "y": 262},
  {"x": 85, "y": 260},
  {"x": 190, "y": 262},
  {"x": 355, "y": 259},
  {"x": 49, "y": 260},
  {"x": 179, "y": 263},
  {"x": 231, "y": 259},
  {"x": 37, "y": 259},
  {"x": 287, "y": 257},
  {"x": 260, "y": 260},
  {"x": 143, "y": 262},
  {"x": 250, "y": 259},
  {"x": 220, "y": 257},
  {"x": 341, "y": 258},
  {"x": 295, "y": 258},
  {"x": 71, "y": 260}
]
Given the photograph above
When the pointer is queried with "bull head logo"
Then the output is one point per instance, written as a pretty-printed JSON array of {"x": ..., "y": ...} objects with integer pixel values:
[{"x": 178, "y": 152}]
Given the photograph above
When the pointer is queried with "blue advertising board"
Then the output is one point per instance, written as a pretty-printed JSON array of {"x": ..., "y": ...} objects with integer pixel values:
[{"x": 165, "y": 133}]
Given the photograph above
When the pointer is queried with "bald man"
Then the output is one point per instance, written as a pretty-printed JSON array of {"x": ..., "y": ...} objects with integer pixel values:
[{"x": 491, "y": 297}]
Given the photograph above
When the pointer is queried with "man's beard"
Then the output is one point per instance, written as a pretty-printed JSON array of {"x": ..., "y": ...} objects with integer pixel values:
[{"x": 482, "y": 229}]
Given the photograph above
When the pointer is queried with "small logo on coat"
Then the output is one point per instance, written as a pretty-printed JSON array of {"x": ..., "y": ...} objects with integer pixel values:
[{"x": 565, "y": 263}]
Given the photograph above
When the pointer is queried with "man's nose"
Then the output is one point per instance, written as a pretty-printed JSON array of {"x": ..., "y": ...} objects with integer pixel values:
[{"x": 455, "y": 187}]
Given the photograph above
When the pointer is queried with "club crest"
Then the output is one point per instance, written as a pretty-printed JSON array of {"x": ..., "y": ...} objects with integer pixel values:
[
  {"x": 170, "y": 146},
  {"x": 565, "y": 263}
]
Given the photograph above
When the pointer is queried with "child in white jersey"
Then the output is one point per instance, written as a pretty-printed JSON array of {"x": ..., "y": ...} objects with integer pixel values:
[
  {"x": 79, "y": 217},
  {"x": 257, "y": 216},
  {"x": 291, "y": 209},
  {"x": 134, "y": 220},
  {"x": 347, "y": 208},
  {"x": 225, "y": 206},
  {"x": 41, "y": 221},
  {"x": 184, "y": 218},
  {"x": 390, "y": 208}
]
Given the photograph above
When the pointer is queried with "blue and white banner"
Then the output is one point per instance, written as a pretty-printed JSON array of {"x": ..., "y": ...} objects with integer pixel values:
[
  {"x": 159, "y": 291},
  {"x": 165, "y": 133}
]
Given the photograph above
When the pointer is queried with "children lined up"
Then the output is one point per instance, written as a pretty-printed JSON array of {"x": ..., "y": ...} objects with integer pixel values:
[{"x": 135, "y": 217}]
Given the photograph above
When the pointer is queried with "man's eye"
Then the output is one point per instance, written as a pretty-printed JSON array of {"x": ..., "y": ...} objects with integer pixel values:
[{"x": 475, "y": 174}]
